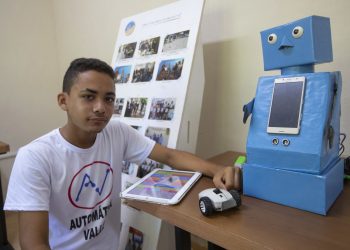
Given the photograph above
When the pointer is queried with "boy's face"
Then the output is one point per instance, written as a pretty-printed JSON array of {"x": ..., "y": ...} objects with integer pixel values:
[{"x": 90, "y": 103}]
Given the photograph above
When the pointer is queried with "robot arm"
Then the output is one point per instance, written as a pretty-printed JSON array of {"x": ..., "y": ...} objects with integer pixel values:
[{"x": 247, "y": 110}]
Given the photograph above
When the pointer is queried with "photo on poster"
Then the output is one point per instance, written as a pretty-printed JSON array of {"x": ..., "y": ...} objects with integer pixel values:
[
  {"x": 138, "y": 128},
  {"x": 126, "y": 51},
  {"x": 159, "y": 135},
  {"x": 118, "y": 106},
  {"x": 128, "y": 180},
  {"x": 162, "y": 109},
  {"x": 136, "y": 107},
  {"x": 147, "y": 166},
  {"x": 135, "y": 239},
  {"x": 143, "y": 72},
  {"x": 129, "y": 168},
  {"x": 122, "y": 74},
  {"x": 149, "y": 47},
  {"x": 176, "y": 41},
  {"x": 170, "y": 69}
]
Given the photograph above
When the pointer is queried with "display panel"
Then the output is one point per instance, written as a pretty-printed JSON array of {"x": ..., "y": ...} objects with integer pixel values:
[
  {"x": 162, "y": 186},
  {"x": 286, "y": 105}
]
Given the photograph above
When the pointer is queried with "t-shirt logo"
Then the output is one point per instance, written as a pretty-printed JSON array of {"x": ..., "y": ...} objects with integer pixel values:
[{"x": 91, "y": 185}]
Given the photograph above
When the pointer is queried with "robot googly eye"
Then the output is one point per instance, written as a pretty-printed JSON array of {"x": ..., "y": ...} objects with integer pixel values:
[
  {"x": 272, "y": 38},
  {"x": 298, "y": 31}
]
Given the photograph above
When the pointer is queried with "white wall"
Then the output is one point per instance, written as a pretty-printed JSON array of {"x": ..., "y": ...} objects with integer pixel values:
[
  {"x": 28, "y": 75},
  {"x": 28, "y": 65},
  {"x": 39, "y": 38}
]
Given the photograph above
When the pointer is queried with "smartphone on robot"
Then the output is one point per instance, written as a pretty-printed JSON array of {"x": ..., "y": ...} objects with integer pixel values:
[{"x": 286, "y": 105}]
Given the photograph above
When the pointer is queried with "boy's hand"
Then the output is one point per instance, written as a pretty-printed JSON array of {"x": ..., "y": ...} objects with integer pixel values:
[{"x": 228, "y": 178}]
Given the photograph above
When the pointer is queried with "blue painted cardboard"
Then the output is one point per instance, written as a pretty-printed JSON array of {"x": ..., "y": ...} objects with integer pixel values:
[
  {"x": 313, "y": 47},
  {"x": 310, "y": 192},
  {"x": 309, "y": 151},
  {"x": 308, "y": 173}
]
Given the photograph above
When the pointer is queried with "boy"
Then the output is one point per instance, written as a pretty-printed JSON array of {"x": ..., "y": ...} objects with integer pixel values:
[{"x": 65, "y": 184}]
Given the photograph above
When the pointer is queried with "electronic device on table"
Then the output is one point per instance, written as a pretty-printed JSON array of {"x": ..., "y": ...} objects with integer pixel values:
[
  {"x": 214, "y": 199},
  {"x": 162, "y": 186}
]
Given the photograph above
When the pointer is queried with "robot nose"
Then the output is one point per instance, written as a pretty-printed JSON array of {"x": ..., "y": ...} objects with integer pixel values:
[{"x": 285, "y": 44}]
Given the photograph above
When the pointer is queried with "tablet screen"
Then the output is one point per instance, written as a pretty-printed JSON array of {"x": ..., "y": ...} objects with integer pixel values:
[
  {"x": 286, "y": 105},
  {"x": 162, "y": 186}
]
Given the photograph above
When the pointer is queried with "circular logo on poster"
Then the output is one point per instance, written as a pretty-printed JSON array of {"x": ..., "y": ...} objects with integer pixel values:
[
  {"x": 91, "y": 185},
  {"x": 130, "y": 27}
]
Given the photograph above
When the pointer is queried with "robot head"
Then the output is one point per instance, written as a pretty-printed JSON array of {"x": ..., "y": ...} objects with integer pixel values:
[{"x": 303, "y": 42}]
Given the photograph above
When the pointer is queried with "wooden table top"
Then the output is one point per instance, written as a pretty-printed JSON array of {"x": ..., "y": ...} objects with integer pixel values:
[
  {"x": 258, "y": 224},
  {"x": 4, "y": 147}
]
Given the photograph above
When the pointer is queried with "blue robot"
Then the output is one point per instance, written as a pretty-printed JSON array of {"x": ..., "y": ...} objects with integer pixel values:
[{"x": 293, "y": 140}]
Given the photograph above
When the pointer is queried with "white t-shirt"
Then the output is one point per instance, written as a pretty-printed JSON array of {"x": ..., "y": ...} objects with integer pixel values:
[{"x": 79, "y": 187}]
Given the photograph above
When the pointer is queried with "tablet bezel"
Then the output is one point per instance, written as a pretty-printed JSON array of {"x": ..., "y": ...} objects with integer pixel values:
[
  {"x": 174, "y": 200},
  {"x": 287, "y": 130}
]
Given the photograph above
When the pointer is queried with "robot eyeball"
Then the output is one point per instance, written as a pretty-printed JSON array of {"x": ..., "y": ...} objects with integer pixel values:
[
  {"x": 298, "y": 31},
  {"x": 272, "y": 38}
]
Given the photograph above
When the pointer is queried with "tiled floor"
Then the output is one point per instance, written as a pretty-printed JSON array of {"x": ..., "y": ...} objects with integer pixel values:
[{"x": 12, "y": 234}]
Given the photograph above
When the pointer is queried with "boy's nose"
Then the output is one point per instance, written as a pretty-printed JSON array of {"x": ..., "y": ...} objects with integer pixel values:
[{"x": 99, "y": 107}]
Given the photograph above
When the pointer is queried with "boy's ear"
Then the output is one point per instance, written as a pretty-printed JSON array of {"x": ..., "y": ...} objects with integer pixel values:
[{"x": 62, "y": 100}]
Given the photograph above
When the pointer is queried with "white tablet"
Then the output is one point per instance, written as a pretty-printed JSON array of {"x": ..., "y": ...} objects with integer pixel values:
[
  {"x": 286, "y": 105},
  {"x": 161, "y": 186}
]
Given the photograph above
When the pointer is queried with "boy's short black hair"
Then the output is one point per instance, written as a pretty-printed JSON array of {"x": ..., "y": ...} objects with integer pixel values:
[{"x": 81, "y": 65}]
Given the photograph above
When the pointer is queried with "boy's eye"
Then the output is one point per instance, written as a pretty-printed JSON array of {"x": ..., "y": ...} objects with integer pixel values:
[
  {"x": 110, "y": 99},
  {"x": 88, "y": 97}
]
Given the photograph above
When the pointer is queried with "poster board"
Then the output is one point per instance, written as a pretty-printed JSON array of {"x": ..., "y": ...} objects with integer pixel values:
[{"x": 152, "y": 59}]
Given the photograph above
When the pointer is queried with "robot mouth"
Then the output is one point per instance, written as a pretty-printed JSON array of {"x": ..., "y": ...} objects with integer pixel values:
[{"x": 285, "y": 47}]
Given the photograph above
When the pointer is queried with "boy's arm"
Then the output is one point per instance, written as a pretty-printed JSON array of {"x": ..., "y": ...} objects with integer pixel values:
[
  {"x": 34, "y": 230},
  {"x": 223, "y": 177}
]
